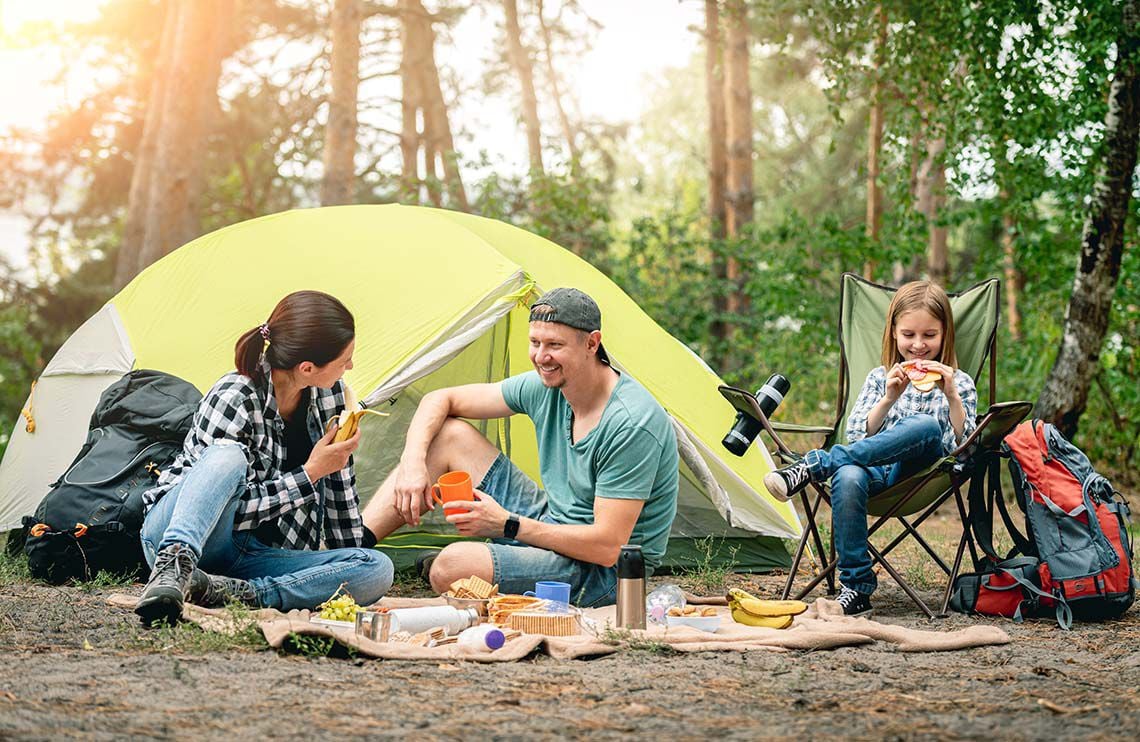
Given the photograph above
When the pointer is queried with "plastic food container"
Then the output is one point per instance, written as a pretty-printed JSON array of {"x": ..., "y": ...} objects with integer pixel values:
[
  {"x": 480, "y": 605},
  {"x": 704, "y": 623}
]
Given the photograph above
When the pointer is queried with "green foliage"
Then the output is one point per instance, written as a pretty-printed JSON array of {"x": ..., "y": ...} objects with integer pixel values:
[
  {"x": 712, "y": 571},
  {"x": 190, "y": 638}
]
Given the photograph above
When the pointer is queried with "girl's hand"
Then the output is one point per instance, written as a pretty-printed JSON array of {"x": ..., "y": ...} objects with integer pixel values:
[
  {"x": 946, "y": 383},
  {"x": 896, "y": 382}
]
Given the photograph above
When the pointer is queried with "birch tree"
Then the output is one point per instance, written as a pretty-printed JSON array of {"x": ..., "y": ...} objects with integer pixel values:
[{"x": 1065, "y": 394}]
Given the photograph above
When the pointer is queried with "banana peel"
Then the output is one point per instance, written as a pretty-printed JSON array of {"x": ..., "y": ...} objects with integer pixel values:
[
  {"x": 348, "y": 421},
  {"x": 749, "y": 610}
]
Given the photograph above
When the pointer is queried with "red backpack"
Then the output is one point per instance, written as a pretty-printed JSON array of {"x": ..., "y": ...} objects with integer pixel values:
[{"x": 1075, "y": 558}]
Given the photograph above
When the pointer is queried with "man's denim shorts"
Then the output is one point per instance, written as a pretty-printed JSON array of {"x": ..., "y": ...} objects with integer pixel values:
[{"x": 518, "y": 566}]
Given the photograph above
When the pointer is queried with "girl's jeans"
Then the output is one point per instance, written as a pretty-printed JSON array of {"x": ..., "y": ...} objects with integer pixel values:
[
  {"x": 865, "y": 468},
  {"x": 199, "y": 514}
]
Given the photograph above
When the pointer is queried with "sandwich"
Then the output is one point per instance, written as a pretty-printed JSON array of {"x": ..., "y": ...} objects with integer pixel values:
[{"x": 923, "y": 379}]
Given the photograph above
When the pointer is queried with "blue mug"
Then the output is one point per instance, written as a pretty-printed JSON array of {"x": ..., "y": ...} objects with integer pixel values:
[{"x": 558, "y": 593}]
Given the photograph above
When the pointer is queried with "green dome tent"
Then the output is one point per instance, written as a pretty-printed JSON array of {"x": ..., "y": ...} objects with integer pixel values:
[{"x": 440, "y": 299}]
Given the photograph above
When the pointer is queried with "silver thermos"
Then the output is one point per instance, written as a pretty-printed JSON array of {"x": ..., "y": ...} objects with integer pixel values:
[{"x": 631, "y": 588}]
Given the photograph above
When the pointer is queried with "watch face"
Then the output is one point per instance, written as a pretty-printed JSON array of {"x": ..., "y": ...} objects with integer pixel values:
[{"x": 511, "y": 527}]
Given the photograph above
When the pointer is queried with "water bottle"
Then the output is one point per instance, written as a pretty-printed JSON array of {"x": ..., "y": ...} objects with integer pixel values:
[
  {"x": 631, "y": 588},
  {"x": 746, "y": 428},
  {"x": 415, "y": 620},
  {"x": 486, "y": 638}
]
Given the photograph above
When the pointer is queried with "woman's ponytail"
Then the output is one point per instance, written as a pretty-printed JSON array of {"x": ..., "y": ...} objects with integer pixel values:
[
  {"x": 304, "y": 326},
  {"x": 247, "y": 353}
]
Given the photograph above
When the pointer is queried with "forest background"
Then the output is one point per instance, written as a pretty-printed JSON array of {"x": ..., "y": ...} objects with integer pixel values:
[{"x": 804, "y": 138}]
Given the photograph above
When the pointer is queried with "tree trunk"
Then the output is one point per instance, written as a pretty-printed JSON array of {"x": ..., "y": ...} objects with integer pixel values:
[
  {"x": 875, "y": 144},
  {"x": 718, "y": 176},
  {"x": 426, "y": 126},
  {"x": 1065, "y": 394},
  {"x": 521, "y": 61},
  {"x": 555, "y": 89},
  {"x": 1012, "y": 280},
  {"x": 338, "y": 183},
  {"x": 930, "y": 193},
  {"x": 738, "y": 115},
  {"x": 202, "y": 40},
  {"x": 134, "y": 230},
  {"x": 440, "y": 139},
  {"x": 410, "y": 96}
]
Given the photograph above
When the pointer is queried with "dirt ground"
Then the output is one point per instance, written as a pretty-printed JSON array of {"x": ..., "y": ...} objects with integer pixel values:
[{"x": 71, "y": 666}]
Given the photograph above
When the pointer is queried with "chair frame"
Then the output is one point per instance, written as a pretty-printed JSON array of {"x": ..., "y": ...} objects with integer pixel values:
[{"x": 957, "y": 465}]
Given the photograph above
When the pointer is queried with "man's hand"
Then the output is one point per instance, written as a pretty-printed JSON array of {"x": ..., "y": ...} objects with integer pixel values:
[
  {"x": 413, "y": 493},
  {"x": 328, "y": 457},
  {"x": 484, "y": 517}
]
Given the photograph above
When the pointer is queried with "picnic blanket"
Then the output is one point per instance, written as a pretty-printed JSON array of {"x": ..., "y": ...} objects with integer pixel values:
[{"x": 823, "y": 626}]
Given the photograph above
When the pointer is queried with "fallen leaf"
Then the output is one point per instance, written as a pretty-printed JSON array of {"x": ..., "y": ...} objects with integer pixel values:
[{"x": 87, "y": 645}]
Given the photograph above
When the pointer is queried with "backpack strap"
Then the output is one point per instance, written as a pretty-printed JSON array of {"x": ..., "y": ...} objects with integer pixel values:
[{"x": 1064, "y": 612}]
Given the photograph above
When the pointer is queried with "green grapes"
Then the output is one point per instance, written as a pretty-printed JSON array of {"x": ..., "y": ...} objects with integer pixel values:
[{"x": 340, "y": 608}]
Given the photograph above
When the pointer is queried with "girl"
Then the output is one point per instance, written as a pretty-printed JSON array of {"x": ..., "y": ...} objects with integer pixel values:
[
  {"x": 895, "y": 430},
  {"x": 259, "y": 480}
]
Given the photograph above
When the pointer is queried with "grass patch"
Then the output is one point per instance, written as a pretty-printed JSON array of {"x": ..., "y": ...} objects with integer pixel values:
[
  {"x": 626, "y": 639},
  {"x": 13, "y": 568},
  {"x": 314, "y": 646},
  {"x": 190, "y": 638},
  {"x": 104, "y": 579},
  {"x": 711, "y": 572}
]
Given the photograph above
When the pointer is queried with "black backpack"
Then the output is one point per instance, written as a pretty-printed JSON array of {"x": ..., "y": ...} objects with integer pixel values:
[{"x": 90, "y": 519}]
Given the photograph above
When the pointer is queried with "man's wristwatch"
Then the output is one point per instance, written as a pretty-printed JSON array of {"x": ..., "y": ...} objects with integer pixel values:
[{"x": 511, "y": 527}]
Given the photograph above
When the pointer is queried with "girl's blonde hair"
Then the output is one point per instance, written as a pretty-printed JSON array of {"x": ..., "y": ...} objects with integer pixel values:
[{"x": 912, "y": 297}]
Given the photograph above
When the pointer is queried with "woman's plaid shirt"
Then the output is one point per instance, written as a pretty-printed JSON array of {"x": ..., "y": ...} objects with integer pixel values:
[{"x": 244, "y": 411}]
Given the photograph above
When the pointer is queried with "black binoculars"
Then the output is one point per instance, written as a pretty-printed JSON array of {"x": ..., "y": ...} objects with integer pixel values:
[{"x": 747, "y": 425}]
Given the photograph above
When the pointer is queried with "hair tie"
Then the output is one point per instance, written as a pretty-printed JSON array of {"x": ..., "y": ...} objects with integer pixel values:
[{"x": 264, "y": 330}]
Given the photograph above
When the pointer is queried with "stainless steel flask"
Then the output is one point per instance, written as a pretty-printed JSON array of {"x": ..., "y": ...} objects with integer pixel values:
[{"x": 631, "y": 588}]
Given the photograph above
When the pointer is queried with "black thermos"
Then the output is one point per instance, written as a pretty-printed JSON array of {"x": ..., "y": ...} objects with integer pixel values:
[
  {"x": 746, "y": 428},
  {"x": 631, "y": 588}
]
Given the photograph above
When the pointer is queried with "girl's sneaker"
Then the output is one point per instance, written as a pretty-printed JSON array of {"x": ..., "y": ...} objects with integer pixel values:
[
  {"x": 786, "y": 483},
  {"x": 854, "y": 604}
]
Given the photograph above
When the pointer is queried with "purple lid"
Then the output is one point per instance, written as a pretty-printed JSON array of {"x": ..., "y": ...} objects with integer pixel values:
[{"x": 494, "y": 639}]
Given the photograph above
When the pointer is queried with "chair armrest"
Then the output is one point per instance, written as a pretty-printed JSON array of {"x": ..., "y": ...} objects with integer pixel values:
[
  {"x": 791, "y": 428},
  {"x": 993, "y": 427}
]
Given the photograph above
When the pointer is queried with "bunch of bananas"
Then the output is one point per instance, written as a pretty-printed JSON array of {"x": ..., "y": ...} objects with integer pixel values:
[
  {"x": 349, "y": 420},
  {"x": 752, "y": 611}
]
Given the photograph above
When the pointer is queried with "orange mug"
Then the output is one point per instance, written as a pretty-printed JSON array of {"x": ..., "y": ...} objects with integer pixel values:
[{"x": 454, "y": 485}]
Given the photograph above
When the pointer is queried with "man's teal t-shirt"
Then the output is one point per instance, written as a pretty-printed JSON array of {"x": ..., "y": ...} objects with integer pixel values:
[{"x": 630, "y": 455}]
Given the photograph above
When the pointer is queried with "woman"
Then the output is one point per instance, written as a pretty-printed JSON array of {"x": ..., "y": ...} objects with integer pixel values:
[{"x": 260, "y": 480}]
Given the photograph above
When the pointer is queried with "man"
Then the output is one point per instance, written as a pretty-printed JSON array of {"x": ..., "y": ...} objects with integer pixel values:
[{"x": 607, "y": 456}]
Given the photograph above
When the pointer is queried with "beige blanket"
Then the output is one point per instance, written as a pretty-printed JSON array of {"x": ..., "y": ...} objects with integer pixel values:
[{"x": 823, "y": 627}]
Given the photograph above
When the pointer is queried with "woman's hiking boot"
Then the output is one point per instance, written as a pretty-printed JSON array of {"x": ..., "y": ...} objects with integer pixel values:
[
  {"x": 165, "y": 591},
  {"x": 211, "y": 591}
]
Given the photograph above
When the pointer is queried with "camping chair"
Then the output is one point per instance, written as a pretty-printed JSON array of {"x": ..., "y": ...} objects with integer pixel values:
[{"x": 863, "y": 310}]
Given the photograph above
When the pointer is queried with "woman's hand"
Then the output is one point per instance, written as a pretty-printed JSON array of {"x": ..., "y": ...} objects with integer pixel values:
[
  {"x": 896, "y": 382},
  {"x": 484, "y": 517},
  {"x": 412, "y": 492},
  {"x": 328, "y": 457}
]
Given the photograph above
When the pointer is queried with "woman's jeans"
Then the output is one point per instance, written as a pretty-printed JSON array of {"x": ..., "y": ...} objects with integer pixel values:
[
  {"x": 865, "y": 468},
  {"x": 199, "y": 514}
]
